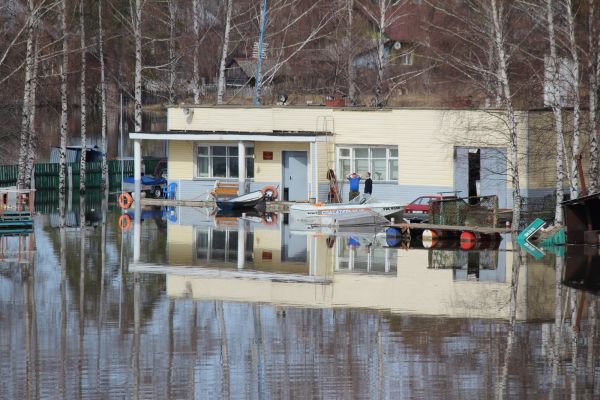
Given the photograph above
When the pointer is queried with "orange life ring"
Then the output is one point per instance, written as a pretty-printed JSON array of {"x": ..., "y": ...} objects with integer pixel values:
[
  {"x": 270, "y": 219},
  {"x": 124, "y": 222},
  {"x": 273, "y": 192},
  {"x": 125, "y": 200}
]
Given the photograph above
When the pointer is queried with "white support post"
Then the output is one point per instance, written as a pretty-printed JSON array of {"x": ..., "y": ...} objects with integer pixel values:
[
  {"x": 137, "y": 169},
  {"x": 312, "y": 265},
  {"x": 242, "y": 167},
  {"x": 241, "y": 244},
  {"x": 137, "y": 179},
  {"x": 314, "y": 181}
]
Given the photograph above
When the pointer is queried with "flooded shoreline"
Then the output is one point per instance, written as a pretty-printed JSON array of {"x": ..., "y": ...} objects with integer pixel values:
[{"x": 246, "y": 309}]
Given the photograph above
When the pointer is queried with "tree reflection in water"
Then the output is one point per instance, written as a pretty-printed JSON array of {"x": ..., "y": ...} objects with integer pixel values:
[{"x": 135, "y": 341}]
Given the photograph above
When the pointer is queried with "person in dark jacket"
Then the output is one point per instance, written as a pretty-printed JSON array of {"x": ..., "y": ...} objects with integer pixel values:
[{"x": 368, "y": 184}]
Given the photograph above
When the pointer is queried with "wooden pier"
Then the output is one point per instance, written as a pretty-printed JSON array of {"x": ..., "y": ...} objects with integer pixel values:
[{"x": 271, "y": 206}]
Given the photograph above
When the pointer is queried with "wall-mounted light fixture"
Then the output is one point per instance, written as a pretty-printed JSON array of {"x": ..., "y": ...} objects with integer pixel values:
[{"x": 189, "y": 114}]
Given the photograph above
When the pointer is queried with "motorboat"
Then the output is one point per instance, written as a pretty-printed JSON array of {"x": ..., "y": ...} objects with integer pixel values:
[
  {"x": 362, "y": 210},
  {"x": 249, "y": 200}
]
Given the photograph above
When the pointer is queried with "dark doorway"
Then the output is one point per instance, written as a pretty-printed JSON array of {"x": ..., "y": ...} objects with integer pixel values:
[{"x": 474, "y": 175}]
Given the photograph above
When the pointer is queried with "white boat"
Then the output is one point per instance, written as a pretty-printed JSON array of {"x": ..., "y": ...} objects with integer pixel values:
[{"x": 362, "y": 210}]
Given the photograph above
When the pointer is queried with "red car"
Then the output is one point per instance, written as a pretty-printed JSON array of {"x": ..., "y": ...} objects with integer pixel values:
[{"x": 418, "y": 209}]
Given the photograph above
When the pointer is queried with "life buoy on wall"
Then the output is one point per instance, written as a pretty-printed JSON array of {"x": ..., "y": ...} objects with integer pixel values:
[
  {"x": 270, "y": 192},
  {"x": 124, "y": 222},
  {"x": 125, "y": 200}
]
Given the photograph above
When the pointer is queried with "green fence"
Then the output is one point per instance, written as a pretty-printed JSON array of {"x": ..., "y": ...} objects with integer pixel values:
[{"x": 46, "y": 175}]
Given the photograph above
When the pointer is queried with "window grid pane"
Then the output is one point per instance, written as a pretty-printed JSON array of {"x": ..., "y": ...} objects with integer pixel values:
[
  {"x": 393, "y": 170},
  {"x": 382, "y": 162},
  {"x": 222, "y": 162}
]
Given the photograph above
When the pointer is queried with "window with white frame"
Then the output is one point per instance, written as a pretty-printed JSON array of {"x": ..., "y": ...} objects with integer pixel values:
[
  {"x": 406, "y": 58},
  {"x": 222, "y": 161},
  {"x": 381, "y": 162}
]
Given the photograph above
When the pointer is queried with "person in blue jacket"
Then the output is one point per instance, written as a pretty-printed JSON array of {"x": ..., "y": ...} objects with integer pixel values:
[{"x": 354, "y": 180}]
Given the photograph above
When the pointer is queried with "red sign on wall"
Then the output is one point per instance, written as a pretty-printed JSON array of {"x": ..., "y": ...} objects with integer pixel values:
[{"x": 267, "y": 155}]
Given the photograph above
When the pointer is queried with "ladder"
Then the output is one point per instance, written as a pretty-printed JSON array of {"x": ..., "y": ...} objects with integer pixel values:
[{"x": 326, "y": 123}]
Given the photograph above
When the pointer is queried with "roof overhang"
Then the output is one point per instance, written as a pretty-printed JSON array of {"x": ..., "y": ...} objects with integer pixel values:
[{"x": 212, "y": 136}]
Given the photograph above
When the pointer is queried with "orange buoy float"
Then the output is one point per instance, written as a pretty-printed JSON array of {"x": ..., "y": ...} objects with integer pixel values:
[
  {"x": 467, "y": 240},
  {"x": 124, "y": 222},
  {"x": 270, "y": 192},
  {"x": 125, "y": 200},
  {"x": 429, "y": 238}
]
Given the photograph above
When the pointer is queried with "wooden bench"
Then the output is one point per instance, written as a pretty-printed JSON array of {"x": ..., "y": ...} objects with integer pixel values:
[{"x": 225, "y": 189}]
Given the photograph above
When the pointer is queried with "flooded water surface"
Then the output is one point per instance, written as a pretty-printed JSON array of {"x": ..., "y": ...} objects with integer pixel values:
[{"x": 191, "y": 304}]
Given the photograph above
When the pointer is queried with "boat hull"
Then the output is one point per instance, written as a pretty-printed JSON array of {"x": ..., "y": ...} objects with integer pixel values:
[
  {"x": 344, "y": 214},
  {"x": 226, "y": 205},
  {"x": 246, "y": 201}
]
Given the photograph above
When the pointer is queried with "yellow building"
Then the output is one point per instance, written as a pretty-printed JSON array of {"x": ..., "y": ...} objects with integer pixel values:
[{"x": 410, "y": 152}]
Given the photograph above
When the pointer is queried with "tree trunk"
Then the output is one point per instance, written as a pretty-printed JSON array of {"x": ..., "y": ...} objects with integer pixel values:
[
  {"x": 172, "y": 55},
  {"x": 593, "y": 71},
  {"x": 105, "y": 182},
  {"x": 380, "y": 53},
  {"x": 512, "y": 122},
  {"x": 137, "y": 32},
  {"x": 83, "y": 158},
  {"x": 25, "y": 120},
  {"x": 221, "y": 85},
  {"x": 258, "y": 80},
  {"x": 32, "y": 137},
  {"x": 558, "y": 121},
  {"x": 63, "y": 99},
  {"x": 350, "y": 54},
  {"x": 575, "y": 147},
  {"x": 196, "y": 26}
]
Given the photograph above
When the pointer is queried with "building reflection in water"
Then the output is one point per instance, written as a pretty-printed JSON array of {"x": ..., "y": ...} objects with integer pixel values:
[
  {"x": 306, "y": 315},
  {"x": 290, "y": 265}
]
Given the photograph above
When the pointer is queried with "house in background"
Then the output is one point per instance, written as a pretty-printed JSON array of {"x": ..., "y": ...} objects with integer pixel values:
[
  {"x": 73, "y": 154},
  {"x": 241, "y": 73},
  {"x": 410, "y": 152}
]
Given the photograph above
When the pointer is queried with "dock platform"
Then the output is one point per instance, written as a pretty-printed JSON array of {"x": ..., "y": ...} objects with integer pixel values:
[{"x": 16, "y": 209}]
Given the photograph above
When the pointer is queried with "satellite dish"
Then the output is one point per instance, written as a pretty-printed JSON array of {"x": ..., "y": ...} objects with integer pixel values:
[
  {"x": 397, "y": 45},
  {"x": 282, "y": 98}
]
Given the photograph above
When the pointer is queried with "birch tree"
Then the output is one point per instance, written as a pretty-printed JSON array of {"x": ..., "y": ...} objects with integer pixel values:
[
  {"x": 350, "y": 60},
  {"x": 27, "y": 97},
  {"x": 286, "y": 33},
  {"x": 556, "y": 105},
  {"x": 385, "y": 14},
  {"x": 18, "y": 33},
  {"x": 32, "y": 137},
  {"x": 575, "y": 145},
  {"x": 136, "y": 18},
  {"x": 172, "y": 52},
  {"x": 105, "y": 182},
  {"x": 63, "y": 98},
  {"x": 83, "y": 111},
  {"x": 501, "y": 51},
  {"x": 196, "y": 61},
  {"x": 221, "y": 82},
  {"x": 474, "y": 28},
  {"x": 594, "y": 90}
]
